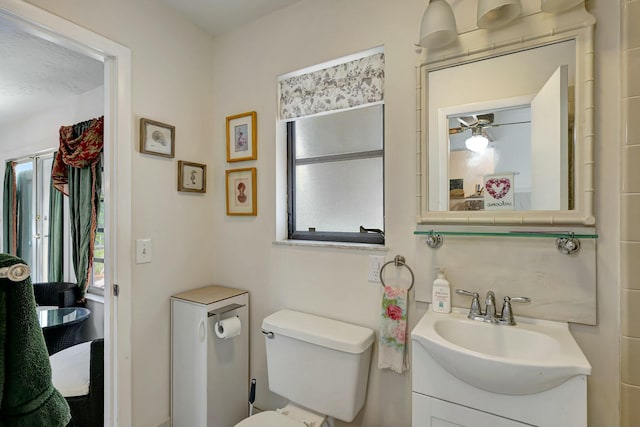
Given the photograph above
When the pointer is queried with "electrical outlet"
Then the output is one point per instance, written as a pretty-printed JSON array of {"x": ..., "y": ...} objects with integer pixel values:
[{"x": 375, "y": 264}]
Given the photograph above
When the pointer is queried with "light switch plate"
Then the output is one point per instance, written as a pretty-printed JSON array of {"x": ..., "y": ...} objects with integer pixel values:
[{"x": 143, "y": 251}]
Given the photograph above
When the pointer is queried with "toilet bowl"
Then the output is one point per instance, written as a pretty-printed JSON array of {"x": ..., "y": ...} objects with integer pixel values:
[
  {"x": 289, "y": 416},
  {"x": 315, "y": 362}
]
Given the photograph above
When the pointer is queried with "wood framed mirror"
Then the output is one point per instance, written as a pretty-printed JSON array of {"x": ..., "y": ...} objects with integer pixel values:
[{"x": 505, "y": 132}]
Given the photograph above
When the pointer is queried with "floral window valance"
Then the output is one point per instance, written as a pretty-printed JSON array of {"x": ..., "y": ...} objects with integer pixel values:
[{"x": 347, "y": 85}]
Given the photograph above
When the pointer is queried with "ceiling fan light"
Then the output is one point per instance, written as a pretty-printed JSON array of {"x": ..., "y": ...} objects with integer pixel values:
[
  {"x": 497, "y": 13},
  {"x": 438, "y": 27},
  {"x": 477, "y": 143},
  {"x": 555, "y": 6}
]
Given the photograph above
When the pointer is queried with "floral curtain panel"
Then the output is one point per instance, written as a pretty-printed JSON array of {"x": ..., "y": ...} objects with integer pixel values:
[
  {"x": 77, "y": 173},
  {"x": 347, "y": 85}
]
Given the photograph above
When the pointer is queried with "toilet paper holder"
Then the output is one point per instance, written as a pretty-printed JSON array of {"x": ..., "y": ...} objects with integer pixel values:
[{"x": 222, "y": 310}]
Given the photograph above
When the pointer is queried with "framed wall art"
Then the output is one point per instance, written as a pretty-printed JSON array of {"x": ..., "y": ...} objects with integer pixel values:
[
  {"x": 157, "y": 138},
  {"x": 242, "y": 138},
  {"x": 192, "y": 177},
  {"x": 241, "y": 192}
]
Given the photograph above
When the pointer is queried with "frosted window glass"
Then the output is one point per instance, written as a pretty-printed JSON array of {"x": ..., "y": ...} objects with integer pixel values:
[
  {"x": 340, "y": 196},
  {"x": 339, "y": 133}
]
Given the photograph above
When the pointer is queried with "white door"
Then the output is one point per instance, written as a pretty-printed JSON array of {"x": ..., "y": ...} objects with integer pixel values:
[{"x": 549, "y": 144}]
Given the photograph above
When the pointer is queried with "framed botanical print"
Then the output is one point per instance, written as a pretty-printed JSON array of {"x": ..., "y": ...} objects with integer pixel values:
[
  {"x": 242, "y": 138},
  {"x": 241, "y": 192},
  {"x": 157, "y": 138},
  {"x": 192, "y": 177}
]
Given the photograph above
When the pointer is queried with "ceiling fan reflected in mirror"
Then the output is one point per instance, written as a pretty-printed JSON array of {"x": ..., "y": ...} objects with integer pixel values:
[{"x": 477, "y": 123}]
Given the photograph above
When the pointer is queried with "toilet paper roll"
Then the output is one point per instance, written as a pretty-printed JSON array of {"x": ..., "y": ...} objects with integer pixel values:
[{"x": 228, "y": 328}]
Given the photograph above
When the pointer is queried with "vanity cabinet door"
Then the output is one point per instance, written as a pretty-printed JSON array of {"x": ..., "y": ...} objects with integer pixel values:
[{"x": 430, "y": 412}]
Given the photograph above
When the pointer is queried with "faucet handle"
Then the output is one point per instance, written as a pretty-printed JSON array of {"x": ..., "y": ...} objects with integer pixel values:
[
  {"x": 517, "y": 299},
  {"x": 474, "y": 310},
  {"x": 507, "y": 312},
  {"x": 467, "y": 293}
]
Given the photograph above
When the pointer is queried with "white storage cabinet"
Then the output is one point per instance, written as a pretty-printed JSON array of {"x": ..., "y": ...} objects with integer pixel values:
[{"x": 209, "y": 375}]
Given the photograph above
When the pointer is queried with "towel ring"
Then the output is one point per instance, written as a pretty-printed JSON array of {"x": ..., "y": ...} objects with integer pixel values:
[{"x": 398, "y": 261}]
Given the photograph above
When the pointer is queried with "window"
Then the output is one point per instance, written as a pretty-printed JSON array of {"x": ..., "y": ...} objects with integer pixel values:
[
  {"x": 96, "y": 286},
  {"x": 97, "y": 280},
  {"x": 33, "y": 186},
  {"x": 336, "y": 176},
  {"x": 335, "y": 149}
]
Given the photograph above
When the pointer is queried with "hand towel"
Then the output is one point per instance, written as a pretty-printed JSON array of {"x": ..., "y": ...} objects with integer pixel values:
[
  {"x": 392, "y": 348},
  {"x": 26, "y": 392}
]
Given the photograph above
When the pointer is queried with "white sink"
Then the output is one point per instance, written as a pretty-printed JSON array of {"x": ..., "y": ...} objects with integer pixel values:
[{"x": 531, "y": 357}]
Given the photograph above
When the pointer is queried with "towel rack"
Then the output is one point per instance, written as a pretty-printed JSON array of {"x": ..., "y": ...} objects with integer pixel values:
[
  {"x": 15, "y": 272},
  {"x": 398, "y": 261}
]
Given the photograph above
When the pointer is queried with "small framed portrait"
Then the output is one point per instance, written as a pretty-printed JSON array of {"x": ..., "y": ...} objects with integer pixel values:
[
  {"x": 242, "y": 138},
  {"x": 192, "y": 177},
  {"x": 157, "y": 138},
  {"x": 241, "y": 192}
]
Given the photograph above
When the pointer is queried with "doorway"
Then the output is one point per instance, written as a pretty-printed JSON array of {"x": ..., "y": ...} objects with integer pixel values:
[{"x": 117, "y": 214}]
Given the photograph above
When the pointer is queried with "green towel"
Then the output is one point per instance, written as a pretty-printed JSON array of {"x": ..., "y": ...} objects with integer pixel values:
[{"x": 27, "y": 396}]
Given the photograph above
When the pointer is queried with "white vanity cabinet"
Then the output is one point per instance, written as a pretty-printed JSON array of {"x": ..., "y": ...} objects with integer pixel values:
[
  {"x": 431, "y": 412},
  {"x": 442, "y": 400},
  {"x": 209, "y": 375}
]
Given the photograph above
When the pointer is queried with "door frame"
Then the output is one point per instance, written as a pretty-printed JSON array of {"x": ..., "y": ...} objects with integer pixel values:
[{"x": 117, "y": 188}]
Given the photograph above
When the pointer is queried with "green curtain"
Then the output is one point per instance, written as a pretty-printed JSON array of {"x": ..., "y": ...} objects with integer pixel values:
[
  {"x": 56, "y": 233},
  {"x": 9, "y": 229},
  {"x": 25, "y": 211},
  {"x": 77, "y": 172},
  {"x": 84, "y": 200}
]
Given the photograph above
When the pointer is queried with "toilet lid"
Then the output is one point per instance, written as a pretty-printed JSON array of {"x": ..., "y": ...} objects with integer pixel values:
[{"x": 269, "y": 419}]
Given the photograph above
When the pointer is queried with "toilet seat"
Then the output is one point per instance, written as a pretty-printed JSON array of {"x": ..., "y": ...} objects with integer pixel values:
[{"x": 269, "y": 419}]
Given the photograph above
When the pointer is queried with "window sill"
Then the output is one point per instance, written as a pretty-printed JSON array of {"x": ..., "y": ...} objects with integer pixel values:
[
  {"x": 332, "y": 245},
  {"x": 94, "y": 297}
]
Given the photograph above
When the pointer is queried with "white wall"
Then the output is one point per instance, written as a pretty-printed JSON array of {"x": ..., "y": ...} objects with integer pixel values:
[
  {"x": 40, "y": 131},
  {"x": 195, "y": 242},
  {"x": 171, "y": 83},
  {"x": 333, "y": 282}
]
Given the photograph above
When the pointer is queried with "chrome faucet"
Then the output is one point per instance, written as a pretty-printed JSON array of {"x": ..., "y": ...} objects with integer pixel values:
[
  {"x": 490, "y": 315},
  {"x": 490, "y": 308}
]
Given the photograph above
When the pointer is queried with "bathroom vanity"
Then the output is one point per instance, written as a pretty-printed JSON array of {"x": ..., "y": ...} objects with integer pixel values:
[
  {"x": 470, "y": 373},
  {"x": 534, "y": 78}
]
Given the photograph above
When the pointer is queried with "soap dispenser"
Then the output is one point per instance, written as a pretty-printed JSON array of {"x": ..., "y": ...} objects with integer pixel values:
[{"x": 441, "y": 294}]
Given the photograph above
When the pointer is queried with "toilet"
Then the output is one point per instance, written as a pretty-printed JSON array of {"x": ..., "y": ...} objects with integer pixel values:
[{"x": 320, "y": 365}]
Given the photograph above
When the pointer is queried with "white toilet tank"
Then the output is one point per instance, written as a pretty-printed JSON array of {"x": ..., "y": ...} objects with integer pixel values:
[{"x": 319, "y": 363}]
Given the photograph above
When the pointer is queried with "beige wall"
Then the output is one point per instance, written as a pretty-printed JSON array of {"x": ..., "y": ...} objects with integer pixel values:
[
  {"x": 183, "y": 78},
  {"x": 630, "y": 209},
  {"x": 333, "y": 282},
  {"x": 171, "y": 83}
]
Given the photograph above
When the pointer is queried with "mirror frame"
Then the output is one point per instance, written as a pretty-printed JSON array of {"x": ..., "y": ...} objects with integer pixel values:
[{"x": 534, "y": 30}]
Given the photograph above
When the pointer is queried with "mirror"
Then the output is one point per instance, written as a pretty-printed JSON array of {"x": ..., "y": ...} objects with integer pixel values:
[{"x": 505, "y": 134}]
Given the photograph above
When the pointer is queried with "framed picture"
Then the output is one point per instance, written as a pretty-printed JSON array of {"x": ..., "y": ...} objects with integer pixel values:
[
  {"x": 241, "y": 192},
  {"x": 157, "y": 138},
  {"x": 192, "y": 177},
  {"x": 242, "y": 138}
]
